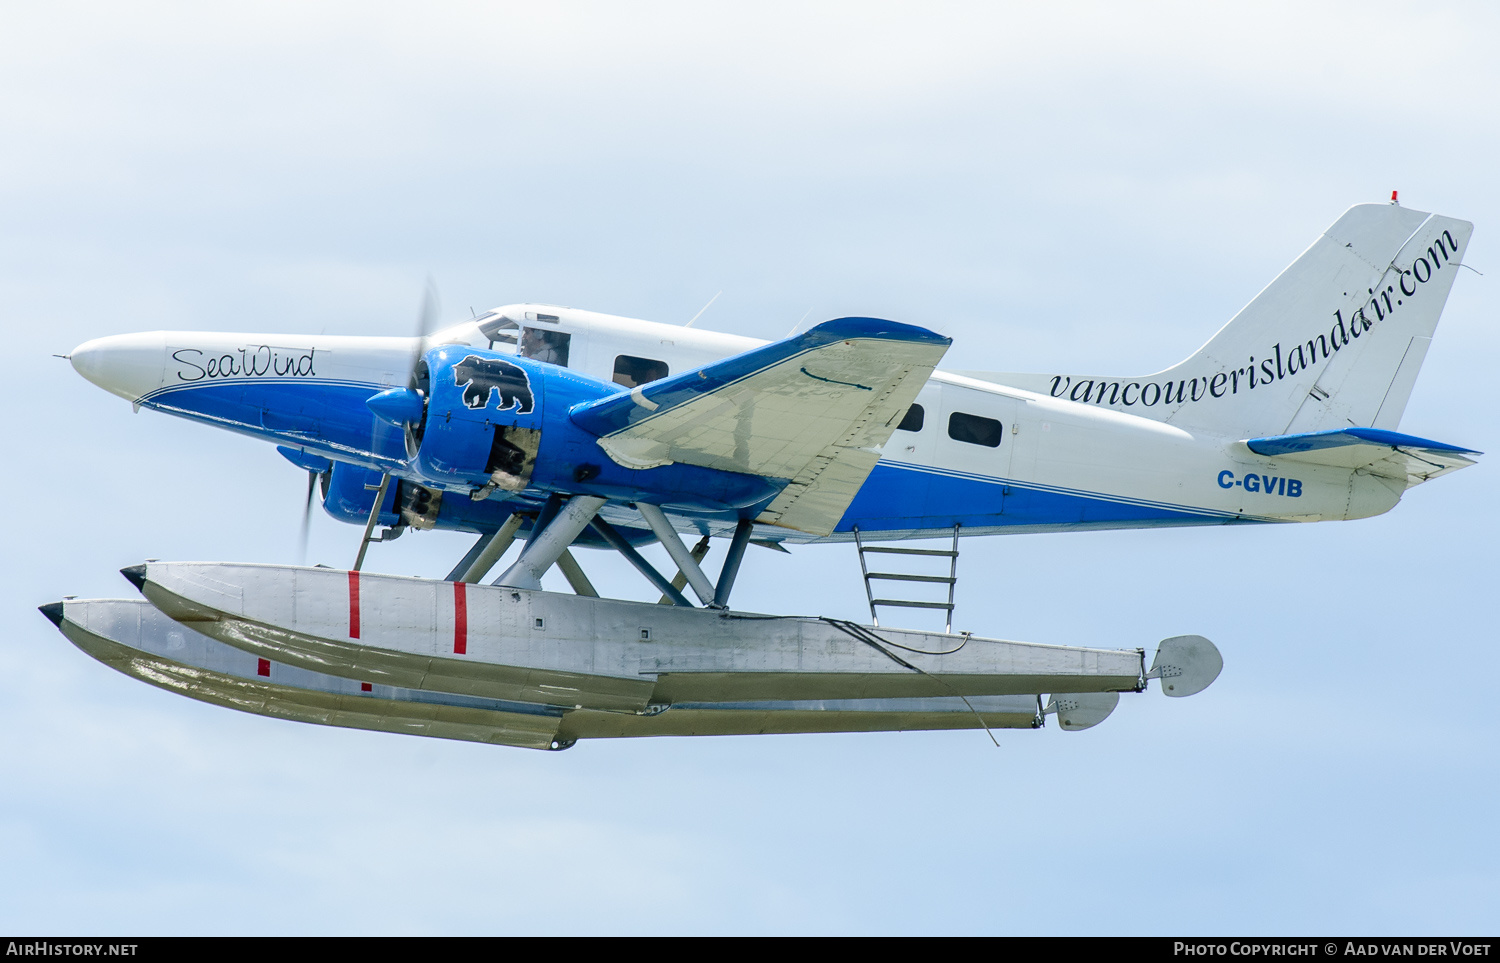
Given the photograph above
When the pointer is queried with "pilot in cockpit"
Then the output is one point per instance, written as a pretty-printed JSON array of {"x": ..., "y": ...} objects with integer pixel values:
[{"x": 548, "y": 346}]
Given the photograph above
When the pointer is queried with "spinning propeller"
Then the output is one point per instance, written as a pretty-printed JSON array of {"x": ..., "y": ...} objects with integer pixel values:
[
  {"x": 312, "y": 484},
  {"x": 406, "y": 408}
]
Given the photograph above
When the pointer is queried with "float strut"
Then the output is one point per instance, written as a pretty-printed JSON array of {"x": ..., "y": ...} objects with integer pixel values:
[
  {"x": 546, "y": 544},
  {"x": 487, "y": 551},
  {"x": 550, "y": 508},
  {"x": 573, "y": 572},
  {"x": 679, "y": 581},
  {"x": 732, "y": 561},
  {"x": 621, "y": 545},
  {"x": 686, "y": 564},
  {"x": 465, "y": 563}
]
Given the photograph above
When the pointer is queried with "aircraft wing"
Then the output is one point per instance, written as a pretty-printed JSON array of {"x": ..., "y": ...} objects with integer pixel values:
[
  {"x": 1389, "y": 453},
  {"x": 810, "y": 409}
]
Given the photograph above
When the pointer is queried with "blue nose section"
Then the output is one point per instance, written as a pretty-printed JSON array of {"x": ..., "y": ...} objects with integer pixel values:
[{"x": 399, "y": 406}]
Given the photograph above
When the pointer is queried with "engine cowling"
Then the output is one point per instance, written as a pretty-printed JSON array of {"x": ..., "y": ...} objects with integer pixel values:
[{"x": 482, "y": 420}]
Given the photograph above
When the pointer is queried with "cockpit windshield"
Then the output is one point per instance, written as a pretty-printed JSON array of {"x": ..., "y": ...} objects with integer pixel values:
[{"x": 495, "y": 326}]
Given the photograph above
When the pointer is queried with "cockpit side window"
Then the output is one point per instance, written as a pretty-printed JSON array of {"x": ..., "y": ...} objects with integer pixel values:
[
  {"x": 631, "y": 371},
  {"x": 548, "y": 346}
]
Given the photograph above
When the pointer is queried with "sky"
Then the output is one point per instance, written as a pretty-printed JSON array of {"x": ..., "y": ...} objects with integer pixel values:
[{"x": 1083, "y": 187}]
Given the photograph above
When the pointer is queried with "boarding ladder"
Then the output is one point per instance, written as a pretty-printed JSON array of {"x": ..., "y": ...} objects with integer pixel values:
[{"x": 950, "y": 580}]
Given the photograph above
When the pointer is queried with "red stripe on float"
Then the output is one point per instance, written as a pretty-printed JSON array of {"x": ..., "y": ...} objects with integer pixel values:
[
  {"x": 366, "y": 687},
  {"x": 263, "y": 667},
  {"x": 460, "y": 619},
  {"x": 353, "y": 605}
]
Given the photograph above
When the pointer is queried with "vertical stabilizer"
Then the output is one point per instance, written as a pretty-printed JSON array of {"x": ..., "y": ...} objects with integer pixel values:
[{"x": 1335, "y": 341}]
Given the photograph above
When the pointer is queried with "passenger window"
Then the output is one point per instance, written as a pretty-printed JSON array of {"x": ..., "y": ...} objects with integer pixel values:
[
  {"x": 548, "y": 346},
  {"x": 975, "y": 430},
  {"x": 913, "y": 419},
  {"x": 631, "y": 371}
]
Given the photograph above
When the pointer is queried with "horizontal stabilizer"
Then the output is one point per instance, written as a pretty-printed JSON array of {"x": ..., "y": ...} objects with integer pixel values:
[
  {"x": 810, "y": 409},
  {"x": 1387, "y": 453}
]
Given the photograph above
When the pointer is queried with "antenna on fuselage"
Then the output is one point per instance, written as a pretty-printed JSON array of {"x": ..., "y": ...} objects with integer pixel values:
[{"x": 702, "y": 309}]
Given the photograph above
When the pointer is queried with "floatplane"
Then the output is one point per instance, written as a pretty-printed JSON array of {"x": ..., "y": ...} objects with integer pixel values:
[{"x": 552, "y": 429}]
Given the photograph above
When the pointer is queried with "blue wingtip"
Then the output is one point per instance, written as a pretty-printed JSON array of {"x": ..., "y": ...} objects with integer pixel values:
[
  {"x": 1273, "y": 445},
  {"x": 843, "y": 329},
  {"x": 612, "y": 413}
]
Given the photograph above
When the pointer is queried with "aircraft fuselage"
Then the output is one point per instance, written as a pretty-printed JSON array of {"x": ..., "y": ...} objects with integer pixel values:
[{"x": 986, "y": 456}]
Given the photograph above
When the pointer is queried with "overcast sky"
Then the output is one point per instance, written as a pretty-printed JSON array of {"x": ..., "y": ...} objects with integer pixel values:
[{"x": 1079, "y": 187}]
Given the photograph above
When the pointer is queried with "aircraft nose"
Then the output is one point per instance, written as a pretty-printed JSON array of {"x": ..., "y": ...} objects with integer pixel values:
[{"x": 128, "y": 365}]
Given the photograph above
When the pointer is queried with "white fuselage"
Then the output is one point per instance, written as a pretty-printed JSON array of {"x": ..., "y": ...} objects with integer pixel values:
[{"x": 1034, "y": 463}]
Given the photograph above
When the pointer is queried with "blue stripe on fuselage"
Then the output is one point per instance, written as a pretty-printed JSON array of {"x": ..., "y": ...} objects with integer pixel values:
[
  {"x": 330, "y": 417},
  {"x": 324, "y": 416},
  {"x": 904, "y": 498}
]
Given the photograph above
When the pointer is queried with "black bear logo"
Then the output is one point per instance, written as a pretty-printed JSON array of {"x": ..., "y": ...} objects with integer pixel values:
[{"x": 480, "y": 376}]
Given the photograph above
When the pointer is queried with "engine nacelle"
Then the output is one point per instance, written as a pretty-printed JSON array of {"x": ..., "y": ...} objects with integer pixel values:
[{"x": 349, "y": 494}]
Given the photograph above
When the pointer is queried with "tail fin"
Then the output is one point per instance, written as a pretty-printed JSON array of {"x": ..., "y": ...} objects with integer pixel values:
[{"x": 1335, "y": 341}]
